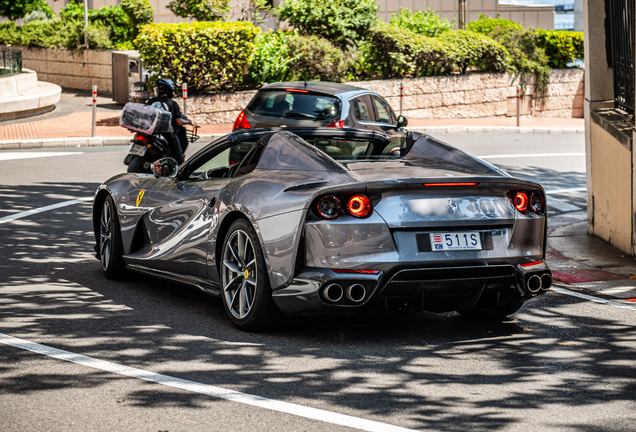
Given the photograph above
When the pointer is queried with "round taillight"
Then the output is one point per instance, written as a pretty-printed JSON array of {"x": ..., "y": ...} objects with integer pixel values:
[
  {"x": 359, "y": 206},
  {"x": 521, "y": 201},
  {"x": 329, "y": 207},
  {"x": 536, "y": 202}
]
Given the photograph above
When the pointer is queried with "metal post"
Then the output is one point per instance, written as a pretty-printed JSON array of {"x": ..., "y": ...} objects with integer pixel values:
[
  {"x": 185, "y": 99},
  {"x": 401, "y": 97},
  {"x": 518, "y": 106},
  {"x": 94, "y": 110},
  {"x": 86, "y": 23},
  {"x": 462, "y": 15}
]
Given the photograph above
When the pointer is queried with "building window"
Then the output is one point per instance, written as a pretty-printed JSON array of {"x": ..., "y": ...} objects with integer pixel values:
[{"x": 622, "y": 19}]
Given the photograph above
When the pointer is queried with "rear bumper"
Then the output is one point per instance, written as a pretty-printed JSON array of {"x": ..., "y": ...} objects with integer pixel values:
[{"x": 323, "y": 292}]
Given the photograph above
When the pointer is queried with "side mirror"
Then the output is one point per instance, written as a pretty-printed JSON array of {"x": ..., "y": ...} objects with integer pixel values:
[
  {"x": 402, "y": 121},
  {"x": 166, "y": 167}
]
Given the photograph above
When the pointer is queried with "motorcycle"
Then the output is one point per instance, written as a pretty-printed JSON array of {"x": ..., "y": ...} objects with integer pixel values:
[{"x": 147, "y": 148}]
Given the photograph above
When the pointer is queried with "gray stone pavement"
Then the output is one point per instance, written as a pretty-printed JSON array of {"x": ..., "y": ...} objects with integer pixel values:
[{"x": 586, "y": 263}]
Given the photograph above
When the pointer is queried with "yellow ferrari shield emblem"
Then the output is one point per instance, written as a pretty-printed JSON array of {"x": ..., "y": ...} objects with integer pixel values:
[
  {"x": 140, "y": 196},
  {"x": 247, "y": 274}
]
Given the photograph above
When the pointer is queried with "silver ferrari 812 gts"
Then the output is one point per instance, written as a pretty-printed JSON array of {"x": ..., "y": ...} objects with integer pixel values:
[{"x": 326, "y": 222}]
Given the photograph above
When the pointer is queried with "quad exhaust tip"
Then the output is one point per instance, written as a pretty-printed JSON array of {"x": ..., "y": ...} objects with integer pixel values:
[
  {"x": 534, "y": 284},
  {"x": 356, "y": 293},
  {"x": 546, "y": 282},
  {"x": 333, "y": 292}
]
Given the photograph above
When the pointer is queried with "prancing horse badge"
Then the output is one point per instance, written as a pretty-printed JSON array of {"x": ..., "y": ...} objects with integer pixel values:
[
  {"x": 140, "y": 196},
  {"x": 452, "y": 205}
]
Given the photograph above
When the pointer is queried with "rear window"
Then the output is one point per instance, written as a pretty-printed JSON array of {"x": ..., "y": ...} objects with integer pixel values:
[
  {"x": 349, "y": 150},
  {"x": 279, "y": 103}
]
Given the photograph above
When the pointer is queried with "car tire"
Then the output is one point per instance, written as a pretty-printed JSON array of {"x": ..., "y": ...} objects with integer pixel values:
[
  {"x": 111, "y": 249},
  {"x": 247, "y": 295},
  {"x": 492, "y": 313}
]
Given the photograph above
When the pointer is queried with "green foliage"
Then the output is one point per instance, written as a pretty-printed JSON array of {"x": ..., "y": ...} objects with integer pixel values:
[
  {"x": 15, "y": 9},
  {"x": 562, "y": 47},
  {"x": 113, "y": 17},
  {"x": 392, "y": 52},
  {"x": 343, "y": 22},
  {"x": 206, "y": 55},
  {"x": 316, "y": 59},
  {"x": 271, "y": 58},
  {"x": 470, "y": 50},
  {"x": 200, "y": 10},
  {"x": 527, "y": 57},
  {"x": 36, "y": 15},
  {"x": 140, "y": 13},
  {"x": 489, "y": 26},
  {"x": 425, "y": 23}
]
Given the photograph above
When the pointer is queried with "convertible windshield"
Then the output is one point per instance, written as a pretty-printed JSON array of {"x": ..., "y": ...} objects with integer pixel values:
[
  {"x": 289, "y": 104},
  {"x": 348, "y": 150}
]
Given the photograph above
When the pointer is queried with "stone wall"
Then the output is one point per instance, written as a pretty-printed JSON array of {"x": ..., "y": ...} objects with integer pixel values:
[
  {"x": 77, "y": 70},
  {"x": 453, "y": 96}
]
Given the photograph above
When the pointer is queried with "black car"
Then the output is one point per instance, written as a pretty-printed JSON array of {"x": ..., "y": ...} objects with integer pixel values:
[{"x": 319, "y": 104}]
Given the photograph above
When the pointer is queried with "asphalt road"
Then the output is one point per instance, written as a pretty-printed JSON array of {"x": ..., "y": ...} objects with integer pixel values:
[{"x": 147, "y": 355}]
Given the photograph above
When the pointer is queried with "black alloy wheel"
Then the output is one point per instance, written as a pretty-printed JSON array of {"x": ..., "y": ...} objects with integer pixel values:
[
  {"x": 247, "y": 296},
  {"x": 111, "y": 248}
]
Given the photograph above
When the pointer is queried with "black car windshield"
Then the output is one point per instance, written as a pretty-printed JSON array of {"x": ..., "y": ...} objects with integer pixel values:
[{"x": 295, "y": 104}]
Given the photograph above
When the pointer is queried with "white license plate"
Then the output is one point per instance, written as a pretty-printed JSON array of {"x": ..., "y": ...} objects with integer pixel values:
[
  {"x": 467, "y": 240},
  {"x": 138, "y": 150}
]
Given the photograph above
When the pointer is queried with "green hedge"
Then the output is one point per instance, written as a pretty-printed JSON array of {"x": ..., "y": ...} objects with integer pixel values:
[
  {"x": 470, "y": 50},
  {"x": 561, "y": 46},
  {"x": 425, "y": 23},
  {"x": 206, "y": 55},
  {"x": 392, "y": 52},
  {"x": 271, "y": 58},
  {"x": 316, "y": 59}
]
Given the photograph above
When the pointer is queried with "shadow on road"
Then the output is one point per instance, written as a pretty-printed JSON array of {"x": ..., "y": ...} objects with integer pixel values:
[{"x": 430, "y": 371}]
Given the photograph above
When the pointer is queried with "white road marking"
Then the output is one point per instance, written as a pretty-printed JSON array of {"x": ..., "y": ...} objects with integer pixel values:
[
  {"x": 561, "y": 205},
  {"x": 192, "y": 386},
  {"x": 30, "y": 155},
  {"x": 559, "y": 191},
  {"x": 529, "y": 155},
  {"x": 43, "y": 209},
  {"x": 592, "y": 298}
]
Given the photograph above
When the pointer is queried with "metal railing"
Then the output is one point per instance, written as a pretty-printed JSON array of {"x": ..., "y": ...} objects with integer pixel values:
[
  {"x": 11, "y": 62},
  {"x": 622, "y": 20}
]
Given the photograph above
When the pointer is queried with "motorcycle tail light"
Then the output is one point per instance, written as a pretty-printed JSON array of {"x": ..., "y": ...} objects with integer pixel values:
[
  {"x": 241, "y": 122},
  {"x": 141, "y": 138},
  {"x": 328, "y": 207},
  {"x": 359, "y": 206},
  {"x": 337, "y": 124},
  {"x": 536, "y": 202},
  {"x": 521, "y": 201}
]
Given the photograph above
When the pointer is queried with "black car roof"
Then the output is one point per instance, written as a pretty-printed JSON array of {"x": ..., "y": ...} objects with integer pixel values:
[
  {"x": 312, "y": 86},
  {"x": 310, "y": 132}
]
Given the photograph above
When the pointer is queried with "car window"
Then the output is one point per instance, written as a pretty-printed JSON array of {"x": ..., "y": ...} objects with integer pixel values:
[
  {"x": 362, "y": 109},
  {"x": 384, "y": 111},
  {"x": 280, "y": 103},
  {"x": 221, "y": 165}
]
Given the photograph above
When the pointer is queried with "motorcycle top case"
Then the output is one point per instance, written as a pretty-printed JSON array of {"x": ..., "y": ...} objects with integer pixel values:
[{"x": 146, "y": 119}]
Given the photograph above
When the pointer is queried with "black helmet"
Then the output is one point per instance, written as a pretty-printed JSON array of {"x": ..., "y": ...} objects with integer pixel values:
[{"x": 164, "y": 86}]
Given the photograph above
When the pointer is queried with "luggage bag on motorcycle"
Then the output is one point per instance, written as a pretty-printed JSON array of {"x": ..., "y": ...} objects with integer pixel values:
[{"x": 146, "y": 119}]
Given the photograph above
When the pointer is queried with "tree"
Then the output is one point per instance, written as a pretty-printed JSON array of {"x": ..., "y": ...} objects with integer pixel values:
[
  {"x": 200, "y": 10},
  {"x": 343, "y": 22},
  {"x": 140, "y": 13},
  {"x": 16, "y": 9}
]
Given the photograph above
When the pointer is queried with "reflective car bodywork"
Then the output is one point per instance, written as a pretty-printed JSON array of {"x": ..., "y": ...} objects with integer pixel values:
[{"x": 174, "y": 227}]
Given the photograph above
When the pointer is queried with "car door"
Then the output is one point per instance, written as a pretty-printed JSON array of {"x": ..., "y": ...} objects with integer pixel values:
[{"x": 179, "y": 229}]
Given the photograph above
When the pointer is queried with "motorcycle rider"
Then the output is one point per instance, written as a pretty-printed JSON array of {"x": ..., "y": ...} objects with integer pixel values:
[{"x": 164, "y": 91}]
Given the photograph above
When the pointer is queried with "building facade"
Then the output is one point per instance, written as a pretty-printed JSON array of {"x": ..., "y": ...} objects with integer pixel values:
[
  {"x": 610, "y": 82},
  {"x": 528, "y": 15}
]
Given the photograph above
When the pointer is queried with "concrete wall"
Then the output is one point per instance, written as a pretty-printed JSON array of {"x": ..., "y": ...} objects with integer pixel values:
[
  {"x": 538, "y": 16},
  {"x": 72, "y": 70},
  {"x": 611, "y": 189},
  {"x": 454, "y": 96}
]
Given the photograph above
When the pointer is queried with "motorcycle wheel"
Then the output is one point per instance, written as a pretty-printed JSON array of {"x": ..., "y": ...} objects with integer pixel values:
[{"x": 137, "y": 165}]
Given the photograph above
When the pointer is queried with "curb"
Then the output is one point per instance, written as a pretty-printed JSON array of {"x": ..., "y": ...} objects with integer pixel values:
[
  {"x": 80, "y": 142},
  {"x": 205, "y": 138},
  {"x": 495, "y": 130}
]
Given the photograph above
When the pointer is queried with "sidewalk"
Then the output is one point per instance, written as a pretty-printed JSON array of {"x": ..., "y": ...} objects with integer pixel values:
[
  {"x": 586, "y": 264},
  {"x": 75, "y": 129}
]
